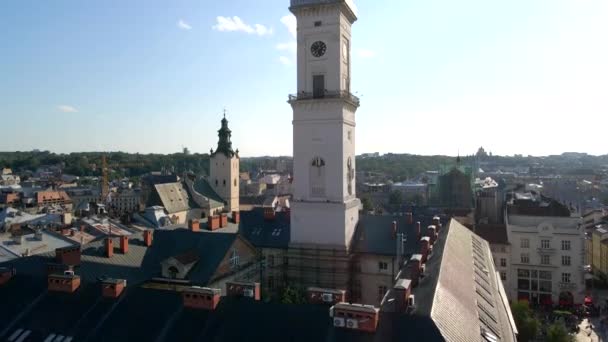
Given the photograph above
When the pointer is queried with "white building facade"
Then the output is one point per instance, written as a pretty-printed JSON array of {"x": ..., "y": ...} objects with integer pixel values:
[
  {"x": 547, "y": 257},
  {"x": 324, "y": 206}
]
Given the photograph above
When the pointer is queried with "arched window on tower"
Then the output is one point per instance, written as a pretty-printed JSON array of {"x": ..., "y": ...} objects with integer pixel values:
[{"x": 317, "y": 177}]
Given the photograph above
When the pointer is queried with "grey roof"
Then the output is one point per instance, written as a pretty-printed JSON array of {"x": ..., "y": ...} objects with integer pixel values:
[
  {"x": 374, "y": 234},
  {"x": 203, "y": 187},
  {"x": 141, "y": 263},
  {"x": 173, "y": 197},
  {"x": 462, "y": 292}
]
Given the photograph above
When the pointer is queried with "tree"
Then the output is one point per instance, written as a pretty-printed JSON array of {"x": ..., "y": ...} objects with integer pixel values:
[
  {"x": 527, "y": 324},
  {"x": 557, "y": 332},
  {"x": 395, "y": 198},
  {"x": 292, "y": 295}
]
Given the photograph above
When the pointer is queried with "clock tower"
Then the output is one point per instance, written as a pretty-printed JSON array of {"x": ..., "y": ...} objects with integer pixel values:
[{"x": 324, "y": 208}]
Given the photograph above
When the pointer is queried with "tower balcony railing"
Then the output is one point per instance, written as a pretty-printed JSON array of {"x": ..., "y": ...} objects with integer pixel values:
[
  {"x": 327, "y": 94},
  {"x": 295, "y": 3}
]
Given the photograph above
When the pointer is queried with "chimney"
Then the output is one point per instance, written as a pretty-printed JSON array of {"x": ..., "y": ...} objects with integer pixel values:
[
  {"x": 213, "y": 222},
  {"x": 394, "y": 230},
  {"x": 355, "y": 317},
  {"x": 148, "y": 238},
  {"x": 68, "y": 255},
  {"x": 425, "y": 245},
  {"x": 82, "y": 228},
  {"x": 243, "y": 289},
  {"x": 112, "y": 288},
  {"x": 414, "y": 267},
  {"x": 431, "y": 233},
  {"x": 418, "y": 229},
  {"x": 409, "y": 218},
  {"x": 403, "y": 289},
  {"x": 67, "y": 282},
  {"x": 436, "y": 221},
  {"x": 6, "y": 274},
  {"x": 201, "y": 297},
  {"x": 318, "y": 295},
  {"x": 194, "y": 225},
  {"x": 124, "y": 244},
  {"x": 236, "y": 217},
  {"x": 109, "y": 247},
  {"x": 223, "y": 220}
]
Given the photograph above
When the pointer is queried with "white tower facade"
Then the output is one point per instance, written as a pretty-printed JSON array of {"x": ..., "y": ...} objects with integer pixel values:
[
  {"x": 224, "y": 168},
  {"x": 324, "y": 208}
]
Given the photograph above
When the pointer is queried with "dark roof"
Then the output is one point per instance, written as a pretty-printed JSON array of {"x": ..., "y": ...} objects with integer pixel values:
[
  {"x": 224, "y": 145},
  {"x": 265, "y": 233},
  {"x": 145, "y": 314},
  {"x": 374, "y": 234},
  {"x": 493, "y": 233},
  {"x": 152, "y": 179},
  {"x": 187, "y": 257}
]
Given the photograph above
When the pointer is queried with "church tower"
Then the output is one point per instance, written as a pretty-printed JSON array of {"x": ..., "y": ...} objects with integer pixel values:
[
  {"x": 324, "y": 208},
  {"x": 224, "y": 168}
]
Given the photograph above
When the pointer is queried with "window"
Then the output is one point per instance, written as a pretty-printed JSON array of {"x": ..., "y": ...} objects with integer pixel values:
[
  {"x": 317, "y": 177},
  {"x": 503, "y": 262},
  {"x": 566, "y": 260},
  {"x": 565, "y": 277},
  {"x": 525, "y": 258},
  {"x": 318, "y": 23},
  {"x": 271, "y": 260},
  {"x": 545, "y": 244},
  {"x": 235, "y": 182},
  {"x": 565, "y": 245},
  {"x": 382, "y": 266},
  {"x": 216, "y": 182},
  {"x": 545, "y": 260},
  {"x": 271, "y": 282},
  {"x": 525, "y": 243},
  {"x": 381, "y": 292},
  {"x": 503, "y": 275},
  {"x": 285, "y": 261},
  {"x": 544, "y": 275},
  {"x": 318, "y": 86},
  {"x": 224, "y": 182}
]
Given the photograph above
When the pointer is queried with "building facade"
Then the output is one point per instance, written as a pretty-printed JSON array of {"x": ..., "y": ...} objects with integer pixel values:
[
  {"x": 224, "y": 168},
  {"x": 547, "y": 256}
]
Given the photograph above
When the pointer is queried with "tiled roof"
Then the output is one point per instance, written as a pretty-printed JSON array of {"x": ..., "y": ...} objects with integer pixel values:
[
  {"x": 203, "y": 187},
  {"x": 173, "y": 197},
  {"x": 265, "y": 233}
]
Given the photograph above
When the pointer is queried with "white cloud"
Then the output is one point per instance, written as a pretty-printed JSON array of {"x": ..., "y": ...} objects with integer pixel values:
[
  {"x": 67, "y": 109},
  {"x": 183, "y": 25},
  {"x": 228, "y": 24},
  {"x": 285, "y": 60},
  {"x": 290, "y": 22},
  {"x": 289, "y": 46},
  {"x": 363, "y": 53}
]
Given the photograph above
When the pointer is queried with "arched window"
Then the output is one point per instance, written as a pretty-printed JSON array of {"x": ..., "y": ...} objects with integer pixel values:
[
  {"x": 224, "y": 182},
  {"x": 216, "y": 182},
  {"x": 235, "y": 182},
  {"x": 317, "y": 177}
]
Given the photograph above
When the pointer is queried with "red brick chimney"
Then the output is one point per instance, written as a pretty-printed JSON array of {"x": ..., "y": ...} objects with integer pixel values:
[
  {"x": 213, "y": 222},
  {"x": 415, "y": 266},
  {"x": 67, "y": 282},
  {"x": 194, "y": 225},
  {"x": 243, "y": 289},
  {"x": 236, "y": 216},
  {"x": 68, "y": 255},
  {"x": 112, "y": 288},
  {"x": 223, "y": 220},
  {"x": 418, "y": 229},
  {"x": 6, "y": 274},
  {"x": 355, "y": 317},
  {"x": 436, "y": 220},
  {"x": 409, "y": 218},
  {"x": 318, "y": 295},
  {"x": 148, "y": 238},
  {"x": 403, "y": 289},
  {"x": 201, "y": 297},
  {"x": 431, "y": 231},
  {"x": 124, "y": 244},
  {"x": 109, "y": 247}
]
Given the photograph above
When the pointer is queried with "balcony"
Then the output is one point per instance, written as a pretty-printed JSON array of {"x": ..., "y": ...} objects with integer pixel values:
[{"x": 345, "y": 95}]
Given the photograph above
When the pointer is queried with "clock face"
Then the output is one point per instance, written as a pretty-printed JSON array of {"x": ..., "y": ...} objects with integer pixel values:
[{"x": 318, "y": 48}]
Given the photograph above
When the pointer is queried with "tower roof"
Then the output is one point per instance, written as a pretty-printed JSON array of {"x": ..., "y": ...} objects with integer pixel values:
[{"x": 224, "y": 145}]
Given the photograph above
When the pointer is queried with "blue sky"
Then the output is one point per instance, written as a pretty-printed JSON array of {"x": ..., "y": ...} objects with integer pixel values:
[{"x": 436, "y": 77}]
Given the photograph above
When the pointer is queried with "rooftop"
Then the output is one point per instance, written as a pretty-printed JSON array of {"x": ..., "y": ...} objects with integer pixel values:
[{"x": 30, "y": 244}]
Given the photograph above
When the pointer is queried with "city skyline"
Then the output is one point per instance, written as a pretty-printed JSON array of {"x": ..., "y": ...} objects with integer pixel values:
[{"x": 148, "y": 77}]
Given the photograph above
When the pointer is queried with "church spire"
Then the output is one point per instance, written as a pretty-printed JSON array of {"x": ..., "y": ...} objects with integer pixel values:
[{"x": 224, "y": 145}]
